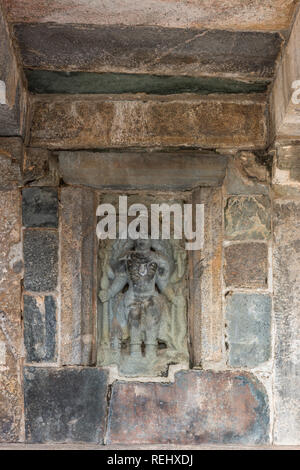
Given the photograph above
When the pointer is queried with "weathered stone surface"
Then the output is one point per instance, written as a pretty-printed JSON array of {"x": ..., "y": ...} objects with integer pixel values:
[
  {"x": 11, "y": 150},
  {"x": 246, "y": 265},
  {"x": 284, "y": 97},
  {"x": 49, "y": 81},
  {"x": 205, "y": 281},
  {"x": 40, "y": 207},
  {"x": 247, "y": 218},
  {"x": 128, "y": 121},
  {"x": 40, "y": 260},
  {"x": 245, "y": 175},
  {"x": 288, "y": 159},
  {"x": 161, "y": 171},
  {"x": 78, "y": 275},
  {"x": 13, "y": 101},
  {"x": 40, "y": 328},
  {"x": 264, "y": 15},
  {"x": 287, "y": 322},
  {"x": 200, "y": 407},
  {"x": 11, "y": 400},
  {"x": 248, "y": 318},
  {"x": 144, "y": 49},
  {"x": 40, "y": 168},
  {"x": 65, "y": 405}
]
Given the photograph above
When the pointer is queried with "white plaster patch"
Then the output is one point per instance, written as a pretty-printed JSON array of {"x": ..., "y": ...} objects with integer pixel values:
[
  {"x": 2, "y": 92},
  {"x": 281, "y": 176},
  {"x": 113, "y": 375},
  {"x": 15, "y": 254},
  {"x": 2, "y": 353}
]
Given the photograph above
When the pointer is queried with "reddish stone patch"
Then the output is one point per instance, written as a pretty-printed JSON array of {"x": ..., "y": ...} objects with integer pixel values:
[{"x": 200, "y": 407}]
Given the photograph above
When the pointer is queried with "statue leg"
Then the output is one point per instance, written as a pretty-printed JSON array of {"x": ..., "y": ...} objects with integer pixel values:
[
  {"x": 152, "y": 328},
  {"x": 135, "y": 331}
]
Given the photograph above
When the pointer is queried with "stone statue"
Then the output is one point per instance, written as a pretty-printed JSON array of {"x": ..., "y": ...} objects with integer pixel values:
[
  {"x": 137, "y": 297},
  {"x": 147, "y": 273}
]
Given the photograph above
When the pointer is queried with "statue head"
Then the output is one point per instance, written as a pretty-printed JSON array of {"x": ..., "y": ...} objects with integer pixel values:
[{"x": 143, "y": 244}]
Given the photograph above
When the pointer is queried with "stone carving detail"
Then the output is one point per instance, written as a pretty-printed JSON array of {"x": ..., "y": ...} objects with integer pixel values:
[{"x": 142, "y": 313}]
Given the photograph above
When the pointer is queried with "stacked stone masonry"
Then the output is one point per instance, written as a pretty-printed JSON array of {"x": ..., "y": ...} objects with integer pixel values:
[
  {"x": 61, "y": 155},
  {"x": 232, "y": 291}
]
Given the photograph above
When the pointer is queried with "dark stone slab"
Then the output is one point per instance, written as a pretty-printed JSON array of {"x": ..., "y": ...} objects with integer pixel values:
[
  {"x": 147, "y": 49},
  {"x": 248, "y": 319},
  {"x": 47, "y": 81},
  {"x": 65, "y": 405},
  {"x": 246, "y": 265},
  {"x": 40, "y": 207},
  {"x": 141, "y": 170},
  {"x": 40, "y": 260},
  {"x": 200, "y": 407},
  {"x": 248, "y": 218},
  {"x": 40, "y": 328}
]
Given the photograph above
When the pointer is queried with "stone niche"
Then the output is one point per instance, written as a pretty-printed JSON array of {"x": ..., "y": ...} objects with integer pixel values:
[
  {"x": 146, "y": 291},
  {"x": 142, "y": 309}
]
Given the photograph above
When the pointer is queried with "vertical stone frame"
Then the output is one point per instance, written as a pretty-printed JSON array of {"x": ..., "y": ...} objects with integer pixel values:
[
  {"x": 78, "y": 276},
  {"x": 205, "y": 281}
]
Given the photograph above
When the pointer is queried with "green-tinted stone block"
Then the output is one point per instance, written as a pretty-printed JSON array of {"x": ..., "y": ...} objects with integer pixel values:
[
  {"x": 248, "y": 218},
  {"x": 248, "y": 318}
]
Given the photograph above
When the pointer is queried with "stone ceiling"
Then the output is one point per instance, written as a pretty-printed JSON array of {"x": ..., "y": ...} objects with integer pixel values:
[{"x": 154, "y": 46}]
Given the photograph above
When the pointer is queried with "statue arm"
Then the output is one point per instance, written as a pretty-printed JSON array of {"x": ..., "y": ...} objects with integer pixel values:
[
  {"x": 116, "y": 286},
  {"x": 164, "y": 272}
]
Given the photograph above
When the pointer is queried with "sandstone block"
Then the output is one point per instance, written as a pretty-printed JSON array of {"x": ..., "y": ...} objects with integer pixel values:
[{"x": 246, "y": 265}]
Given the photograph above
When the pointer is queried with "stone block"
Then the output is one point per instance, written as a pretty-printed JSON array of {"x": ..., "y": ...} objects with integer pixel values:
[
  {"x": 242, "y": 15},
  {"x": 284, "y": 108},
  {"x": 11, "y": 396},
  {"x": 287, "y": 322},
  {"x": 246, "y": 265},
  {"x": 147, "y": 49},
  {"x": 117, "y": 121},
  {"x": 248, "y": 218},
  {"x": 177, "y": 171},
  {"x": 14, "y": 99},
  {"x": 40, "y": 168},
  {"x": 65, "y": 405},
  {"x": 78, "y": 275},
  {"x": 201, "y": 407},
  {"x": 245, "y": 175},
  {"x": 40, "y": 207},
  {"x": 40, "y": 328},
  {"x": 40, "y": 260},
  {"x": 11, "y": 150},
  {"x": 248, "y": 319}
]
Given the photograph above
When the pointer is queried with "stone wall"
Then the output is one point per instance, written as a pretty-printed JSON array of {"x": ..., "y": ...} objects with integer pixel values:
[{"x": 241, "y": 387}]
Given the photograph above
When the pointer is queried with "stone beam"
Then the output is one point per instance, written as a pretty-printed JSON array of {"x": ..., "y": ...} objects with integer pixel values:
[
  {"x": 12, "y": 93},
  {"x": 257, "y": 15},
  {"x": 178, "y": 171},
  {"x": 148, "y": 49},
  {"x": 285, "y": 95},
  {"x": 115, "y": 121}
]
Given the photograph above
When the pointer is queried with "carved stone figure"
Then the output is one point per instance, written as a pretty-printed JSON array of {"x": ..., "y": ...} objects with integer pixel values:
[{"x": 138, "y": 297}]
